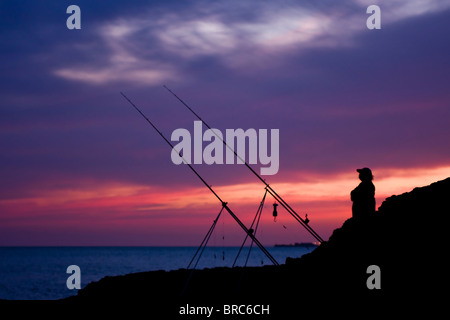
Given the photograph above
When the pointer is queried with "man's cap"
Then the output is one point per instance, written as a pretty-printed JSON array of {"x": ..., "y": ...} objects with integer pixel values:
[{"x": 365, "y": 171}]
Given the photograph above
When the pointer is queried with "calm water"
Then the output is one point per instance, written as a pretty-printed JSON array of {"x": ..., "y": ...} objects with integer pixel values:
[{"x": 40, "y": 272}]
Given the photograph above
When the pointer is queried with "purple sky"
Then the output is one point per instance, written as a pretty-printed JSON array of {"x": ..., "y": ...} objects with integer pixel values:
[{"x": 342, "y": 96}]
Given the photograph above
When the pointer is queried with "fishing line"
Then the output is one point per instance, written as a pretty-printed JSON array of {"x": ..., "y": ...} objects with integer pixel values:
[
  {"x": 274, "y": 194},
  {"x": 224, "y": 204}
]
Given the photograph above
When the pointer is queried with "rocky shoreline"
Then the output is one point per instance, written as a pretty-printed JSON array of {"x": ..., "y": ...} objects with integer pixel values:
[{"x": 395, "y": 239}]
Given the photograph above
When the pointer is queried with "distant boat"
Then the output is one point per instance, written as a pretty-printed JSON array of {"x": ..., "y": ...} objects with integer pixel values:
[{"x": 301, "y": 245}]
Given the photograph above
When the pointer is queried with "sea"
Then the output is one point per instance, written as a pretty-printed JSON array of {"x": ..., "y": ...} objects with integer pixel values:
[{"x": 41, "y": 273}]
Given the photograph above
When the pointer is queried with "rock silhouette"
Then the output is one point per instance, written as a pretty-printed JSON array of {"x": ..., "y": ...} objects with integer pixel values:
[{"x": 396, "y": 238}]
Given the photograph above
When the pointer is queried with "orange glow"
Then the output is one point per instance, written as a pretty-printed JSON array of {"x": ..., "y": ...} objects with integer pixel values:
[{"x": 116, "y": 205}]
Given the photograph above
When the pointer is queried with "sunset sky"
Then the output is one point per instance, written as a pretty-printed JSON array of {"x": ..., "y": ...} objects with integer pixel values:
[{"x": 79, "y": 166}]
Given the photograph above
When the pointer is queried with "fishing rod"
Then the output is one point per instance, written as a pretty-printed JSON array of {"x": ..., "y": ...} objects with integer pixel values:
[
  {"x": 274, "y": 194},
  {"x": 224, "y": 204}
]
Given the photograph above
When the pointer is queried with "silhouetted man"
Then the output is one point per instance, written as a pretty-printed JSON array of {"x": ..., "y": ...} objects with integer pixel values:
[{"x": 363, "y": 196}]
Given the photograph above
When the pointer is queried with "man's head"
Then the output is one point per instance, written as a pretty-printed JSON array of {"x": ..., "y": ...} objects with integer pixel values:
[{"x": 365, "y": 174}]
